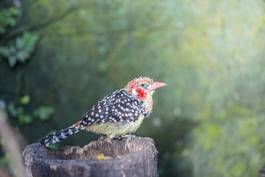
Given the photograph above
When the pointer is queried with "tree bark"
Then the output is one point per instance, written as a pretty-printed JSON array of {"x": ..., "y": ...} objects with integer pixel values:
[
  {"x": 134, "y": 157},
  {"x": 262, "y": 172}
]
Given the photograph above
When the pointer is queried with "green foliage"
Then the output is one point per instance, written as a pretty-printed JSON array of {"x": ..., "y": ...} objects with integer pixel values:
[
  {"x": 19, "y": 50},
  {"x": 4, "y": 162},
  {"x": 16, "y": 50},
  {"x": 24, "y": 100},
  {"x": 24, "y": 117},
  {"x": 8, "y": 18},
  {"x": 43, "y": 112}
]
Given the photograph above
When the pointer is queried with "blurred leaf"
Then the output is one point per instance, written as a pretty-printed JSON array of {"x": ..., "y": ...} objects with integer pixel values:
[
  {"x": 7, "y": 18},
  {"x": 44, "y": 112},
  {"x": 24, "y": 119},
  {"x": 12, "y": 110},
  {"x": 12, "y": 61},
  {"x": 19, "y": 51},
  {"x": 24, "y": 100}
]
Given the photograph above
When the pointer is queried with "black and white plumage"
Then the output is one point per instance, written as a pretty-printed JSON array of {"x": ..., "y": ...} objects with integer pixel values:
[
  {"x": 117, "y": 107},
  {"x": 117, "y": 114}
]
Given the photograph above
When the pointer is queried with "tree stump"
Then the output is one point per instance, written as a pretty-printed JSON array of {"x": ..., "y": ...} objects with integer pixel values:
[
  {"x": 97, "y": 159},
  {"x": 262, "y": 172}
]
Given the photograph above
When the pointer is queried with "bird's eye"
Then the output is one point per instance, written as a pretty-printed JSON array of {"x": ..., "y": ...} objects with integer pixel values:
[{"x": 144, "y": 85}]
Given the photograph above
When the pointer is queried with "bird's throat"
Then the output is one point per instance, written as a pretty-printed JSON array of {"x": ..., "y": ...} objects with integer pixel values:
[{"x": 148, "y": 103}]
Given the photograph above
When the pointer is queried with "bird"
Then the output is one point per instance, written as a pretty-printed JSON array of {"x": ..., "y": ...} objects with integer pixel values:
[{"x": 116, "y": 115}]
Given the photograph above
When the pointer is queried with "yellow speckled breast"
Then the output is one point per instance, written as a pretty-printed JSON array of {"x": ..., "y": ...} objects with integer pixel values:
[{"x": 116, "y": 129}]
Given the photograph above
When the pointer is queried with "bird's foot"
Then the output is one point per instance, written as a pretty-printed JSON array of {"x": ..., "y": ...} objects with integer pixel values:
[
  {"x": 107, "y": 140},
  {"x": 129, "y": 137},
  {"x": 103, "y": 139}
]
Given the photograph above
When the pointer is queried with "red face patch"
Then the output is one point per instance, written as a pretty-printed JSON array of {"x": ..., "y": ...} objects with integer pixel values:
[{"x": 141, "y": 94}]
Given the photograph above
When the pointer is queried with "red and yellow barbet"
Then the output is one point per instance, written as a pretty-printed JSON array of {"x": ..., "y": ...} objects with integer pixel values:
[{"x": 118, "y": 114}]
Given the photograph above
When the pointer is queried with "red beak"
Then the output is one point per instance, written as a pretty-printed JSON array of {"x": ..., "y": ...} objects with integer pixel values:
[{"x": 156, "y": 85}]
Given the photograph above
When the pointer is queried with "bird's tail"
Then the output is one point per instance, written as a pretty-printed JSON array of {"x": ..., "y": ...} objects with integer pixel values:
[{"x": 62, "y": 134}]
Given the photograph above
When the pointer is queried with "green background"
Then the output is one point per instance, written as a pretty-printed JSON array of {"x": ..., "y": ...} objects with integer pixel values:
[{"x": 59, "y": 57}]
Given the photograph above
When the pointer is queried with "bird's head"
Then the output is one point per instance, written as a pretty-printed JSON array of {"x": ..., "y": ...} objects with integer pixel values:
[{"x": 143, "y": 87}]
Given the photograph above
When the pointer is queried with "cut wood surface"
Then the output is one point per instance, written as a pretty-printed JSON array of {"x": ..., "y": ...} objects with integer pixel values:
[{"x": 136, "y": 157}]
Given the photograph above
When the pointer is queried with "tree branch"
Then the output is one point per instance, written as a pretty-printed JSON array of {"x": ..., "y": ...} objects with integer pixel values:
[{"x": 39, "y": 26}]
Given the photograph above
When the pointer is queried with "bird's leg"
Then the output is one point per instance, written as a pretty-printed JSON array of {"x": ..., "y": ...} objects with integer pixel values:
[
  {"x": 129, "y": 137},
  {"x": 101, "y": 138},
  {"x": 104, "y": 139},
  {"x": 108, "y": 140}
]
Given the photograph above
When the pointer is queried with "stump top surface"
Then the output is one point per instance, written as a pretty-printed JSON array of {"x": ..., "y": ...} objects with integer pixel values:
[
  {"x": 115, "y": 149},
  {"x": 98, "y": 158}
]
